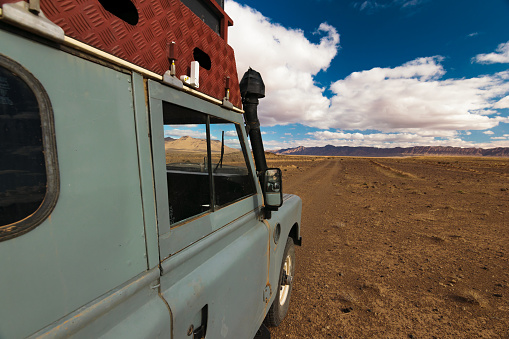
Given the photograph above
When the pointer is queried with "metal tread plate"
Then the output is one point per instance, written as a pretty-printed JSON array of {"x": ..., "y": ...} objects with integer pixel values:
[{"x": 145, "y": 44}]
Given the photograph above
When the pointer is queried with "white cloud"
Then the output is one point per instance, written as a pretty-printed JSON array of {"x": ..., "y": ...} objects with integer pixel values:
[
  {"x": 489, "y": 132},
  {"x": 372, "y": 6},
  {"x": 381, "y": 140},
  {"x": 185, "y": 132},
  {"x": 500, "y": 56},
  {"x": 384, "y": 139},
  {"x": 287, "y": 61},
  {"x": 413, "y": 98},
  {"x": 409, "y": 3},
  {"x": 412, "y": 102},
  {"x": 502, "y": 103}
]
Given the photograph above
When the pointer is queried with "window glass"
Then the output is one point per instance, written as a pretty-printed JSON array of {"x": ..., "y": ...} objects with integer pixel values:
[
  {"x": 232, "y": 179},
  {"x": 187, "y": 167},
  {"x": 22, "y": 164},
  {"x": 200, "y": 147}
]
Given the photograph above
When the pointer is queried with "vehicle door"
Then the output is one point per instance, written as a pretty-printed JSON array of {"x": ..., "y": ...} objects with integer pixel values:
[{"x": 213, "y": 246}]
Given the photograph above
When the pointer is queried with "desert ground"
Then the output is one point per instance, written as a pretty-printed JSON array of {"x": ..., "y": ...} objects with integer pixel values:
[{"x": 399, "y": 247}]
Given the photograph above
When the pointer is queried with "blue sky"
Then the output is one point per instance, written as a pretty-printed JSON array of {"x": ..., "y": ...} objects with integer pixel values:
[{"x": 377, "y": 73}]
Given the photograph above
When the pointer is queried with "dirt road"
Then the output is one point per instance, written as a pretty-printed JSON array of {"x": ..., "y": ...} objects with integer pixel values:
[{"x": 400, "y": 247}]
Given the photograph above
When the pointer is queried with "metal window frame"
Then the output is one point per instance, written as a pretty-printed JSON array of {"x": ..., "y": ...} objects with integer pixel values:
[
  {"x": 212, "y": 189},
  {"x": 33, "y": 220}
]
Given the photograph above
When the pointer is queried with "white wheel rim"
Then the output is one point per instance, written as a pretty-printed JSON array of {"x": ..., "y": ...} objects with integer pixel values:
[{"x": 285, "y": 289}]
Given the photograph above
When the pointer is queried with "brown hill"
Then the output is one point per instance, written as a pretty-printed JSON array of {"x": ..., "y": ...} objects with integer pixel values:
[
  {"x": 190, "y": 144},
  {"x": 330, "y": 150}
]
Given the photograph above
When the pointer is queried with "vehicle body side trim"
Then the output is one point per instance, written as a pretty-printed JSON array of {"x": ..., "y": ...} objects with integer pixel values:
[
  {"x": 80, "y": 318},
  {"x": 145, "y": 168}
]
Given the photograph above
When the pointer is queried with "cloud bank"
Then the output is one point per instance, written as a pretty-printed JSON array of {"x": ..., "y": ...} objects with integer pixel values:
[
  {"x": 414, "y": 98},
  {"x": 409, "y": 104}
]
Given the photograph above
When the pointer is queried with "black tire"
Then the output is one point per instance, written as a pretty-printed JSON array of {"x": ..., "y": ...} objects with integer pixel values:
[{"x": 281, "y": 303}]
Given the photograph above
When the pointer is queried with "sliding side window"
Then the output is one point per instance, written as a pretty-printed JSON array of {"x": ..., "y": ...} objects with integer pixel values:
[{"x": 206, "y": 165}]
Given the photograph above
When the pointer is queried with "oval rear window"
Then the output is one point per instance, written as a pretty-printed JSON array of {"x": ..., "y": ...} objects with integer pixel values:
[{"x": 25, "y": 151}]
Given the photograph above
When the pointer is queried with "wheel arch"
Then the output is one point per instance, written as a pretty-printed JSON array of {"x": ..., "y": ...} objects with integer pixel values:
[{"x": 295, "y": 234}]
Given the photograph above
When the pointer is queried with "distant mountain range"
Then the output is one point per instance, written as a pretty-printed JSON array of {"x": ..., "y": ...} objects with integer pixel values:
[{"x": 330, "y": 150}]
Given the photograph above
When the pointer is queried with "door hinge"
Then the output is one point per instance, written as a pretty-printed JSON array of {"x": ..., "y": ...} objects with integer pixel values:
[{"x": 267, "y": 291}]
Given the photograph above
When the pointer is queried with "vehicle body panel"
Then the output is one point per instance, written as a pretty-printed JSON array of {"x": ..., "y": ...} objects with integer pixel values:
[
  {"x": 134, "y": 310},
  {"x": 106, "y": 263},
  {"x": 86, "y": 247}
]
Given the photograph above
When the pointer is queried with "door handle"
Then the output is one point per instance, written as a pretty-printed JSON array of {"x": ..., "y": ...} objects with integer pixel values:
[{"x": 201, "y": 331}]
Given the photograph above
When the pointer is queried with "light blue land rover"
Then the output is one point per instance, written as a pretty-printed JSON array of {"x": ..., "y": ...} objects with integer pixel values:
[{"x": 130, "y": 204}]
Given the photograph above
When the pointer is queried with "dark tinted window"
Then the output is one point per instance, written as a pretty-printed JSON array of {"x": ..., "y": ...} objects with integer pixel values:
[
  {"x": 23, "y": 165},
  {"x": 204, "y": 11}
]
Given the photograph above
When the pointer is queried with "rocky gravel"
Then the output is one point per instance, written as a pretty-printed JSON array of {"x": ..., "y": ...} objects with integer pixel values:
[{"x": 399, "y": 247}]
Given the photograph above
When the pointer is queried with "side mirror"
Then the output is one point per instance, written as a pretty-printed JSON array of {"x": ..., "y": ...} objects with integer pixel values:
[{"x": 272, "y": 188}]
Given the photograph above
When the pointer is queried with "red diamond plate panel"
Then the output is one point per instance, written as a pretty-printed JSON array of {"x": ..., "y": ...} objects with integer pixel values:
[{"x": 144, "y": 44}]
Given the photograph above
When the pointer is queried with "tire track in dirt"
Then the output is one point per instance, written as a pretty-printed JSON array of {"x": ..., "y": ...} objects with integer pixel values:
[
  {"x": 395, "y": 171},
  {"x": 325, "y": 168},
  {"x": 443, "y": 165},
  {"x": 315, "y": 187},
  {"x": 470, "y": 170}
]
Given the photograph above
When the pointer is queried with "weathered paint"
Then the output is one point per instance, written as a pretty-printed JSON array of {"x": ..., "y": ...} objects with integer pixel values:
[
  {"x": 89, "y": 247},
  {"x": 287, "y": 216},
  {"x": 214, "y": 257},
  {"x": 173, "y": 240},
  {"x": 113, "y": 313},
  {"x": 106, "y": 263},
  {"x": 230, "y": 268}
]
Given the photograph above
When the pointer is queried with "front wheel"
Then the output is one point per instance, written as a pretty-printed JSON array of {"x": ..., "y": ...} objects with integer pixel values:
[{"x": 279, "y": 308}]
